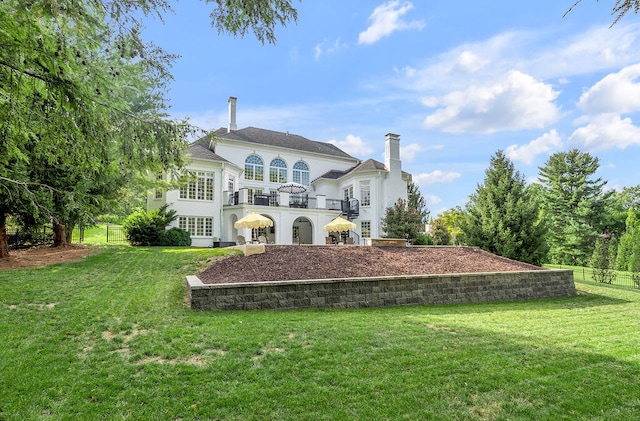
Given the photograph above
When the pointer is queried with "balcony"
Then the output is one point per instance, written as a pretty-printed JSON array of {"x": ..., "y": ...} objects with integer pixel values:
[{"x": 349, "y": 208}]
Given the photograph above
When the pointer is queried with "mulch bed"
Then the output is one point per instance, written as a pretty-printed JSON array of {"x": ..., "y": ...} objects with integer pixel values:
[{"x": 280, "y": 263}]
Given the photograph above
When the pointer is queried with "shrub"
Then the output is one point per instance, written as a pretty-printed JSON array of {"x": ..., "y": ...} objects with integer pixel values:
[
  {"x": 423, "y": 240},
  {"x": 148, "y": 228},
  {"x": 175, "y": 237}
]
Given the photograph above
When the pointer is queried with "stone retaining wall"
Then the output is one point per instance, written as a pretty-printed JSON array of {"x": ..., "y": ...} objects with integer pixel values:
[
  {"x": 382, "y": 291},
  {"x": 388, "y": 242}
]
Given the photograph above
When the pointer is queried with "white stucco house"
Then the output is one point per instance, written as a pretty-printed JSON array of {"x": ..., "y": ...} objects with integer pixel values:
[{"x": 238, "y": 171}]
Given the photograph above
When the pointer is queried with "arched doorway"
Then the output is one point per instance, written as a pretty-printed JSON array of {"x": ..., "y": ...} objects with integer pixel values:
[{"x": 302, "y": 232}]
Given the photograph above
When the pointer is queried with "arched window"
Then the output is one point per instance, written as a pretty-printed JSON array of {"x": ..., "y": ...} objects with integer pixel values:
[
  {"x": 253, "y": 168},
  {"x": 301, "y": 173},
  {"x": 278, "y": 171}
]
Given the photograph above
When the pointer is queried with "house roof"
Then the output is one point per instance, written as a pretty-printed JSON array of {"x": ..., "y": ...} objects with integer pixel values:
[
  {"x": 368, "y": 165},
  {"x": 282, "y": 140},
  {"x": 198, "y": 150}
]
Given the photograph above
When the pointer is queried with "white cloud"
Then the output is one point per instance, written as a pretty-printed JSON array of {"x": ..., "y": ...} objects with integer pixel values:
[
  {"x": 436, "y": 177},
  {"x": 326, "y": 48},
  {"x": 615, "y": 93},
  {"x": 353, "y": 145},
  {"x": 471, "y": 62},
  {"x": 515, "y": 102},
  {"x": 606, "y": 131},
  {"x": 386, "y": 19},
  {"x": 408, "y": 153},
  {"x": 542, "y": 54},
  {"x": 527, "y": 153},
  {"x": 432, "y": 199},
  {"x": 430, "y": 102}
]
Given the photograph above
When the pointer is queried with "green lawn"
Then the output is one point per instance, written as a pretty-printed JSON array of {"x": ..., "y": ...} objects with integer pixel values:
[{"x": 111, "y": 338}]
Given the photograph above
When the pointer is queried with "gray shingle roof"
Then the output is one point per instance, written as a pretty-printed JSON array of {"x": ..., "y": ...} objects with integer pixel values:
[
  {"x": 198, "y": 150},
  {"x": 368, "y": 165},
  {"x": 282, "y": 140}
]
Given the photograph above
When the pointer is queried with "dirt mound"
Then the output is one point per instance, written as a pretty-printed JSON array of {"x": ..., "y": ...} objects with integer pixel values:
[{"x": 327, "y": 262}]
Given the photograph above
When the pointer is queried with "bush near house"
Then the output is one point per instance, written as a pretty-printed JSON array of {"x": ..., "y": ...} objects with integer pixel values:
[{"x": 149, "y": 229}]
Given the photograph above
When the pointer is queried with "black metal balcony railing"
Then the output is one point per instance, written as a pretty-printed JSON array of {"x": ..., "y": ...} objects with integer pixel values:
[{"x": 349, "y": 208}]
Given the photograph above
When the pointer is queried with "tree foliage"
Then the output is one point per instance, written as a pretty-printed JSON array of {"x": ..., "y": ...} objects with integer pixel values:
[
  {"x": 416, "y": 201},
  {"x": 402, "y": 221},
  {"x": 261, "y": 16},
  {"x": 628, "y": 256},
  {"x": 620, "y": 8},
  {"x": 574, "y": 206},
  {"x": 501, "y": 216},
  {"x": 406, "y": 218},
  {"x": 440, "y": 233},
  {"x": 450, "y": 218},
  {"x": 82, "y": 102},
  {"x": 149, "y": 228}
]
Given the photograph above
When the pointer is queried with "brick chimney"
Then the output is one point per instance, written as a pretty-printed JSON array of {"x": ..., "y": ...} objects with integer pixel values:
[{"x": 232, "y": 114}]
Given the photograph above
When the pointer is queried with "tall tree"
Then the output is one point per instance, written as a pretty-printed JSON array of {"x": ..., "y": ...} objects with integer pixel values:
[
  {"x": 574, "y": 205},
  {"x": 402, "y": 221},
  {"x": 501, "y": 216},
  {"x": 628, "y": 257},
  {"x": 82, "y": 100},
  {"x": 416, "y": 201}
]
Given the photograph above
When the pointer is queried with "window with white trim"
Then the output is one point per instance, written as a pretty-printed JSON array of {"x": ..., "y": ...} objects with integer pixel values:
[
  {"x": 365, "y": 229},
  {"x": 254, "y": 168},
  {"x": 347, "y": 193},
  {"x": 278, "y": 171},
  {"x": 158, "y": 190},
  {"x": 198, "y": 226},
  {"x": 201, "y": 188},
  {"x": 365, "y": 193},
  {"x": 301, "y": 173}
]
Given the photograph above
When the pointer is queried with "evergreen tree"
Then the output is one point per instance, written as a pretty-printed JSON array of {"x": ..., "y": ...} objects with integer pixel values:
[
  {"x": 82, "y": 102},
  {"x": 416, "y": 201},
  {"x": 628, "y": 258},
  {"x": 402, "y": 221},
  {"x": 502, "y": 218},
  {"x": 574, "y": 206}
]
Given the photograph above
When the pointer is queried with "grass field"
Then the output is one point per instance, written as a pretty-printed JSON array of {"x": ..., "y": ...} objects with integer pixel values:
[{"x": 111, "y": 338}]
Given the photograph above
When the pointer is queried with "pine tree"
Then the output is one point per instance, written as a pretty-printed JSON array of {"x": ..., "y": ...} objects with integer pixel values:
[
  {"x": 574, "y": 206},
  {"x": 628, "y": 258},
  {"x": 502, "y": 218}
]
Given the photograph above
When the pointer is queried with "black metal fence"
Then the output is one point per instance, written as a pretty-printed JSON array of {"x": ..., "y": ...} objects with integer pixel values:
[
  {"x": 115, "y": 234},
  {"x": 605, "y": 276},
  {"x": 22, "y": 239}
]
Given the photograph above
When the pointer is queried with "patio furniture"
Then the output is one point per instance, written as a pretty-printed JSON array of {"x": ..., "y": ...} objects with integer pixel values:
[
  {"x": 241, "y": 240},
  {"x": 262, "y": 239},
  {"x": 349, "y": 240}
]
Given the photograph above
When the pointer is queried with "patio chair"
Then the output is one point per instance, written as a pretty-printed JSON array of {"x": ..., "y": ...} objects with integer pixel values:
[
  {"x": 328, "y": 240},
  {"x": 349, "y": 240},
  {"x": 241, "y": 240},
  {"x": 262, "y": 239}
]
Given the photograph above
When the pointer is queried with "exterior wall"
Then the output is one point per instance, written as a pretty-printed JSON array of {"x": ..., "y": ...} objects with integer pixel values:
[
  {"x": 385, "y": 291},
  {"x": 201, "y": 208},
  {"x": 237, "y": 152},
  {"x": 224, "y": 214}
]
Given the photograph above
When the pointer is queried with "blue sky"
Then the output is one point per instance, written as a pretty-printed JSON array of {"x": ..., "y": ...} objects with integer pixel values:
[{"x": 456, "y": 80}]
